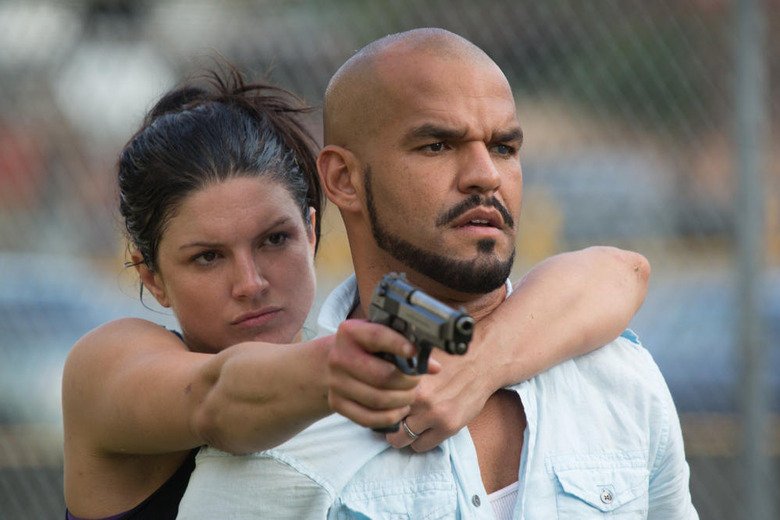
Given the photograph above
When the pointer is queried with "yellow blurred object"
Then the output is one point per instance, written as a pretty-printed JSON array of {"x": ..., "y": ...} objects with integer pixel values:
[{"x": 540, "y": 226}]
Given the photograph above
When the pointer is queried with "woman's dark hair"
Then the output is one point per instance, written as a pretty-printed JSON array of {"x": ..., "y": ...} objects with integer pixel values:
[{"x": 198, "y": 135}]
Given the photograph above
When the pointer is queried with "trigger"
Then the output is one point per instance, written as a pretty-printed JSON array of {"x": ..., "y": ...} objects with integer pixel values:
[
  {"x": 407, "y": 366},
  {"x": 423, "y": 353}
]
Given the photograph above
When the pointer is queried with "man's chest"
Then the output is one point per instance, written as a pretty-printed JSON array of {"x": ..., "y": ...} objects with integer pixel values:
[{"x": 497, "y": 434}]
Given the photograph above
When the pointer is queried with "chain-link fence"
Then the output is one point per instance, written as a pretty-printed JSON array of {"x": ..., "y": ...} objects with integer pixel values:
[{"x": 643, "y": 119}]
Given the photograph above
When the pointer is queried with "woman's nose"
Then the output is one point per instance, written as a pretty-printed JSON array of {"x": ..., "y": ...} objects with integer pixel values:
[{"x": 249, "y": 280}]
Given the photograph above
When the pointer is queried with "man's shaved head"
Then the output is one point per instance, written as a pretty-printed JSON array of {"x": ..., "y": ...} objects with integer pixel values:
[
  {"x": 355, "y": 100},
  {"x": 421, "y": 132}
]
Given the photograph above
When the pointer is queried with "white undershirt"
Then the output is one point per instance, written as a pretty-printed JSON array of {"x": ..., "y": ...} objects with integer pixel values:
[{"x": 503, "y": 501}]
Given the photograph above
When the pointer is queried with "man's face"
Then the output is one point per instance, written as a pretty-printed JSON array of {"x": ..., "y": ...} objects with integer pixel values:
[{"x": 443, "y": 182}]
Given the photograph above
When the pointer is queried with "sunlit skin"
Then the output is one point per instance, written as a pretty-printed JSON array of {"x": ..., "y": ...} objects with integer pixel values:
[{"x": 236, "y": 263}]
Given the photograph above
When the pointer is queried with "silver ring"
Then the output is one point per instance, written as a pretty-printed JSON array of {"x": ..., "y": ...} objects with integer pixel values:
[{"x": 408, "y": 431}]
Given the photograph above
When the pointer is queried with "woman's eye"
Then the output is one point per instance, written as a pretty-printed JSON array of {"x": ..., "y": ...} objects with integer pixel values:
[{"x": 206, "y": 257}]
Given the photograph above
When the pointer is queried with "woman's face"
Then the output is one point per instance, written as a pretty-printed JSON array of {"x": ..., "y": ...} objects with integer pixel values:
[{"x": 236, "y": 263}]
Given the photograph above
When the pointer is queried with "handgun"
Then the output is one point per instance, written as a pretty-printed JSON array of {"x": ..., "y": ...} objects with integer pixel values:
[{"x": 422, "y": 319}]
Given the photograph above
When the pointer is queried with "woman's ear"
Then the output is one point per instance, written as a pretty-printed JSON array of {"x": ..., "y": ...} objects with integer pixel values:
[
  {"x": 151, "y": 280},
  {"x": 340, "y": 175}
]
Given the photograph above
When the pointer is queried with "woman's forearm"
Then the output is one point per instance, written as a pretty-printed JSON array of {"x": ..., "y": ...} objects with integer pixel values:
[
  {"x": 568, "y": 305},
  {"x": 256, "y": 396}
]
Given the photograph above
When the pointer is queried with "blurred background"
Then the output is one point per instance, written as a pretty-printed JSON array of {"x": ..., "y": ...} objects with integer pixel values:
[{"x": 650, "y": 125}]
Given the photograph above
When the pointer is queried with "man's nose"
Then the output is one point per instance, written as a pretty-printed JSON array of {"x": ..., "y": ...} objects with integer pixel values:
[
  {"x": 478, "y": 171},
  {"x": 248, "y": 278}
]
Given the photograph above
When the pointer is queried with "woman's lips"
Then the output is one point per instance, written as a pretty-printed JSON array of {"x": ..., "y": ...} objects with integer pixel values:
[{"x": 256, "y": 318}]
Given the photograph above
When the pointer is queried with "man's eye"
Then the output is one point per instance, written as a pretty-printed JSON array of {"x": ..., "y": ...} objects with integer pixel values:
[
  {"x": 435, "y": 147},
  {"x": 503, "y": 149},
  {"x": 277, "y": 239}
]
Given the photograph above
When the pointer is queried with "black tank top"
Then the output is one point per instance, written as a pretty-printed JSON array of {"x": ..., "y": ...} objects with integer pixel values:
[{"x": 163, "y": 504}]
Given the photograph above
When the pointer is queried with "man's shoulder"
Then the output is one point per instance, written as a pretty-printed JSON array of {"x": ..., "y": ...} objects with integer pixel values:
[
  {"x": 336, "y": 306},
  {"x": 619, "y": 365},
  {"x": 626, "y": 351},
  {"x": 614, "y": 396}
]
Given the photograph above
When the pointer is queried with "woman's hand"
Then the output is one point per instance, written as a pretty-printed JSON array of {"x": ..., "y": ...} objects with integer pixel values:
[
  {"x": 447, "y": 401},
  {"x": 365, "y": 388}
]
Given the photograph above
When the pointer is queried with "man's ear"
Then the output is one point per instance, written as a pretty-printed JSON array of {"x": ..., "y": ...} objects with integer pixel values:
[
  {"x": 150, "y": 279},
  {"x": 340, "y": 175}
]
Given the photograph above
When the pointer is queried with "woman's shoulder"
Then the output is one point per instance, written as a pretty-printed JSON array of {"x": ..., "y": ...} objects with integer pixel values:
[
  {"x": 132, "y": 325},
  {"x": 127, "y": 331},
  {"x": 112, "y": 341}
]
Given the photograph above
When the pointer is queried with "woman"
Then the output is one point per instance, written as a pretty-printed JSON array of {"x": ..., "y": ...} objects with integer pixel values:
[{"x": 221, "y": 203}]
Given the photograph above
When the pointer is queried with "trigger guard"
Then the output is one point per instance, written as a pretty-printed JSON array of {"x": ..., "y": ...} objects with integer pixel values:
[
  {"x": 407, "y": 365},
  {"x": 422, "y": 360}
]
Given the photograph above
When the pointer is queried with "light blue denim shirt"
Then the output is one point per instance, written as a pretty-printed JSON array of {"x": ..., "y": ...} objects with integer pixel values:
[{"x": 602, "y": 440}]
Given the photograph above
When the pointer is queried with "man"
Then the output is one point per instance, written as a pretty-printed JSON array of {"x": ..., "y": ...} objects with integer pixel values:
[{"x": 421, "y": 158}]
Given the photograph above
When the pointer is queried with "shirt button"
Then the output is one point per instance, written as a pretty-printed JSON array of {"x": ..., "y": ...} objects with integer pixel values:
[
  {"x": 606, "y": 496},
  {"x": 476, "y": 501}
]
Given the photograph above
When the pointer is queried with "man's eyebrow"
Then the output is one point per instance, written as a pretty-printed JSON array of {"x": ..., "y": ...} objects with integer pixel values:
[
  {"x": 515, "y": 135},
  {"x": 430, "y": 130}
]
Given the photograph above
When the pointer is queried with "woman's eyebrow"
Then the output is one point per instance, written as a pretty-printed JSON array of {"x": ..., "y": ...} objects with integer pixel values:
[{"x": 209, "y": 245}]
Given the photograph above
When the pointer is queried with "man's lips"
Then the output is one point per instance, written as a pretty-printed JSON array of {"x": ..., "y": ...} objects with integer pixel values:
[
  {"x": 476, "y": 211},
  {"x": 481, "y": 217},
  {"x": 255, "y": 318}
]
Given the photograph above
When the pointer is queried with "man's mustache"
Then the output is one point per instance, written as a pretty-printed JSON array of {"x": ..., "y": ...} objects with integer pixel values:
[{"x": 474, "y": 201}]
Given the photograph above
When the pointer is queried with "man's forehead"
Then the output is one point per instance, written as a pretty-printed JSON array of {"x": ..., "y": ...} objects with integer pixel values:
[
  {"x": 449, "y": 129},
  {"x": 403, "y": 81},
  {"x": 441, "y": 107},
  {"x": 426, "y": 78}
]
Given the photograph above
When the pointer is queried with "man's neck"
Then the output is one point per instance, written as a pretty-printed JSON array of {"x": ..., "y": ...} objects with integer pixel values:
[{"x": 477, "y": 305}]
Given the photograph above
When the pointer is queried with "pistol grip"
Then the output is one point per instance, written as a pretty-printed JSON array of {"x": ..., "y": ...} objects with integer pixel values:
[
  {"x": 388, "y": 429},
  {"x": 407, "y": 366}
]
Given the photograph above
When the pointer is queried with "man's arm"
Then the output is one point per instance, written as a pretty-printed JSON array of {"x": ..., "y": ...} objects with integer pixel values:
[
  {"x": 669, "y": 495},
  {"x": 566, "y": 306}
]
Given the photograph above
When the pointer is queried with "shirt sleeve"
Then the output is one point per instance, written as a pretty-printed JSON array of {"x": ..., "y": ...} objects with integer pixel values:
[
  {"x": 670, "y": 497},
  {"x": 251, "y": 487}
]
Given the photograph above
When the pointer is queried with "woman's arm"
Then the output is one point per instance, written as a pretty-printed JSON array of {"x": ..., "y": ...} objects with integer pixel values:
[
  {"x": 257, "y": 396},
  {"x": 132, "y": 387},
  {"x": 136, "y": 400},
  {"x": 568, "y": 305}
]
